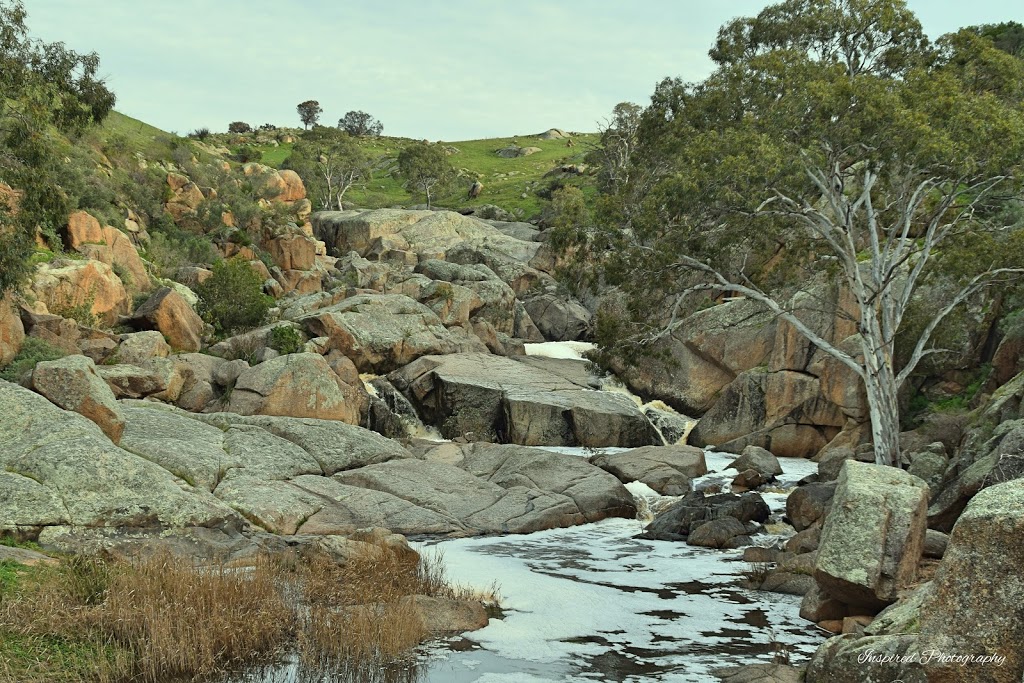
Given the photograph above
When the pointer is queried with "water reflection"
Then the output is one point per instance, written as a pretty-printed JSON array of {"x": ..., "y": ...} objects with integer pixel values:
[{"x": 332, "y": 670}]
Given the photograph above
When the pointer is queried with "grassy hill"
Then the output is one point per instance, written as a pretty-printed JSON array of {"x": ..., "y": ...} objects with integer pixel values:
[{"x": 505, "y": 181}]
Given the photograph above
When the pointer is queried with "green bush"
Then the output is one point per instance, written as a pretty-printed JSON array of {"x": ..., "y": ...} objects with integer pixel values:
[
  {"x": 285, "y": 339},
  {"x": 232, "y": 299},
  {"x": 33, "y": 351}
]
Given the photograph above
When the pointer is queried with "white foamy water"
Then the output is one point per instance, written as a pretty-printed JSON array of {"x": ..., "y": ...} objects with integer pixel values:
[
  {"x": 593, "y": 603},
  {"x": 572, "y": 350}
]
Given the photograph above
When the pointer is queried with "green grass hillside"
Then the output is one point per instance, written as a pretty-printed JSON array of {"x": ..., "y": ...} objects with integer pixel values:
[{"x": 505, "y": 181}]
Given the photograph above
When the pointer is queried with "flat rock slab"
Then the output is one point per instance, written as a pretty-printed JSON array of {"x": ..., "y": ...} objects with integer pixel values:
[
  {"x": 666, "y": 469},
  {"x": 68, "y": 459},
  {"x": 481, "y": 506},
  {"x": 596, "y": 493},
  {"x": 493, "y": 398}
]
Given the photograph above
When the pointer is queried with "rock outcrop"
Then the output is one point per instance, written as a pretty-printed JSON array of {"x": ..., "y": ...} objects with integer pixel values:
[
  {"x": 490, "y": 398},
  {"x": 873, "y": 537},
  {"x": 298, "y": 385},
  {"x": 169, "y": 314},
  {"x": 73, "y": 384},
  {"x": 12, "y": 331},
  {"x": 669, "y": 470}
]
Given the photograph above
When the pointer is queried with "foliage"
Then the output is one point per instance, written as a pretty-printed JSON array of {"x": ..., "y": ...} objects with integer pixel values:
[
  {"x": 46, "y": 87},
  {"x": 33, "y": 351},
  {"x": 359, "y": 124},
  {"x": 232, "y": 299},
  {"x": 426, "y": 168},
  {"x": 285, "y": 339},
  {"x": 829, "y": 129},
  {"x": 618, "y": 142},
  {"x": 330, "y": 163},
  {"x": 200, "y": 133},
  {"x": 1007, "y": 36},
  {"x": 247, "y": 153},
  {"x": 239, "y": 127},
  {"x": 309, "y": 112}
]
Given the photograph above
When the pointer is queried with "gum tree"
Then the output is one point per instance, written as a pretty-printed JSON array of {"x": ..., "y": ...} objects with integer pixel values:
[
  {"x": 330, "y": 162},
  {"x": 832, "y": 139}
]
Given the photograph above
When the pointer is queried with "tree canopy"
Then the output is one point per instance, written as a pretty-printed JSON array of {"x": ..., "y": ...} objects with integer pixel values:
[
  {"x": 46, "y": 89},
  {"x": 330, "y": 162},
  {"x": 360, "y": 124},
  {"x": 309, "y": 112},
  {"x": 426, "y": 168},
  {"x": 833, "y": 137}
]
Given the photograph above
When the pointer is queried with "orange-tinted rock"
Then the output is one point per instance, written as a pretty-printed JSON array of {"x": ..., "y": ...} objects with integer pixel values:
[
  {"x": 168, "y": 313},
  {"x": 12, "y": 332},
  {"x": 82, "y": 283},
  {"x": 83, "y": 229},
  {"x": 292, "y": 252},
  {"x": 294, "y": 190}
]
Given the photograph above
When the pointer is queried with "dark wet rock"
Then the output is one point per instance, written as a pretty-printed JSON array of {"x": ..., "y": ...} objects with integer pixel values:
[
  {"x": 726, "y": 532},
  {"x": 679, "y": 521},
  {"x": 807, "y": 504}
]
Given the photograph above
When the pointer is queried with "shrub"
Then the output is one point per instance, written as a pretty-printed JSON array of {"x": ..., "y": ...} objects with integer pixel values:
[
  {"x": 33, "y": 351},
  {"x": 285, "y": 339},
  {"x": 239, "y": 127},
  {"x": 200, "y": 134},
  {"x": 247, "y": 153},
  {"x": 232, "y": 298}
]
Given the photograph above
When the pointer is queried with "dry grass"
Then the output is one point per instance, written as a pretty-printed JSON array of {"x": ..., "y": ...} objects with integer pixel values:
[{"x": 163, "y": 616}]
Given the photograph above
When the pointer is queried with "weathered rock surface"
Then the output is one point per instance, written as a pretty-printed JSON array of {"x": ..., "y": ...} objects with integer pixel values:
[
  {"x": 72, "y": 383},
  {"x": 168, "y": 313},
  {"x": 782, "y": 411},
  {"x": 138, "y": 347},
  {"x": 725, "y": 532},
  {"x": 809, "y": 503},
  {"x": 596, "y": 493},
  {"x": 683, "y": 518},
  {"x": 298, "y": 385},
  {"x": 87, "y": 285},
  {"x": 480, "y": 506},
  {"x": 107, "y": 245},
  {"x": 12, "y": 331},
  {"x": 63, "y": 470},
  {"x": 757, "y": 459},
  {"x": 666, "y": 469},
  {"x": 383, "y": 332},
  {"x": 559, "y": 318},
  {"x": 971, "y": 609},
  {"x": 873, "y": 536},
  {"x": 491, "y": 398}
]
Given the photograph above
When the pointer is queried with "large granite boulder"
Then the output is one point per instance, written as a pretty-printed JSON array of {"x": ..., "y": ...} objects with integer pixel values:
[
  {"x": 481, "y": 506},
  {"x": 87, "y": 286},
  {"x": 559, "y": 318},
  {"x": 809, "y": 503},
  {"x": 168, "y": 313},
  {"x": 596, "y": 493},
  {"x": 964, "y": 625},
  {"x": 72, "y": 383},
  {"x": 783, "y": 412},
  {"x": 528, "y": 402},
  {"x": 873, "y": 537},
  {"x": 426, "y": 234},
  {"x": 383, "y": 332},
  {"x": 669, "y": 470},
  {"x": 298, "y": 385},
  {"x": 61, "y": 469},
  {"x": 107, "y": 245}
]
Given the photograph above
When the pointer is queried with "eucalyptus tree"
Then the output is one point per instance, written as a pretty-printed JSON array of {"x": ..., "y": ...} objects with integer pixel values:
[
  {"x": 831, "y": 138},
  {"x": 331, "y": 162}
]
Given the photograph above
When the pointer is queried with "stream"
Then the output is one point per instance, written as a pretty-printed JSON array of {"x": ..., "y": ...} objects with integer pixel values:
[{"x": 595, "y": 603}]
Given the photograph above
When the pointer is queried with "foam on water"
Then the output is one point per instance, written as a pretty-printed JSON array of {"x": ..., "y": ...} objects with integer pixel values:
[{"x": 595, "y": 603}]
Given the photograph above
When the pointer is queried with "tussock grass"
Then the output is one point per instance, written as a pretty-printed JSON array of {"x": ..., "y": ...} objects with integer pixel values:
[{"x": 163, "y": 616}]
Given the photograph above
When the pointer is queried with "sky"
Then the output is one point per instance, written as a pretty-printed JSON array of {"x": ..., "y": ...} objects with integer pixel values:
[{"x": 431, "y": 69}]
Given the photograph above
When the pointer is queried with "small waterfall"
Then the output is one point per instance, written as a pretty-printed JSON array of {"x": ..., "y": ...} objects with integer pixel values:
[{"x": 396, "y": 409}]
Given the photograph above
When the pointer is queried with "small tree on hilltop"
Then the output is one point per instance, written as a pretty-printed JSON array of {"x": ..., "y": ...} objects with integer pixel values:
[
  {"x": 359, "y": 124},
  {"x": 309, "y": 112},
  {"x": 239, "y": 127},
  {"x": 426, "y": 168}
]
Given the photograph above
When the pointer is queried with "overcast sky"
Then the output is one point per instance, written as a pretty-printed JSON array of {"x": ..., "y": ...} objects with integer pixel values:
[{"x": 441, "y": 69}]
